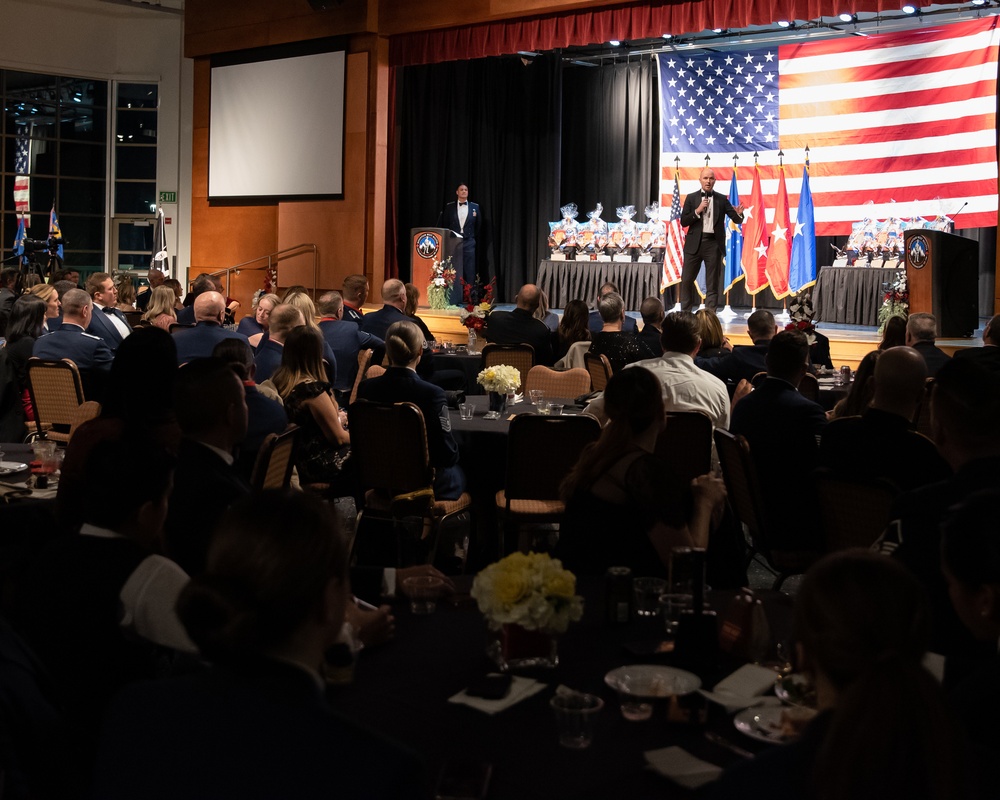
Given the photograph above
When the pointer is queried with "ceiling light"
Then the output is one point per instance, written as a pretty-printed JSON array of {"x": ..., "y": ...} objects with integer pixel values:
[
  {"x": 845, "y": 17},
  {"x": 783, "y": 23},
  {"x": 668, "y": 36},
  {"x": 909, "y": 9},
  {"x": 614, "y": 43}
]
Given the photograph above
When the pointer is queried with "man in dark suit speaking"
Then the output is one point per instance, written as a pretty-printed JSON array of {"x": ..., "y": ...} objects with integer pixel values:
[
  {"x": 464, "y": 218},
  {"x": 704, "y": 215}
]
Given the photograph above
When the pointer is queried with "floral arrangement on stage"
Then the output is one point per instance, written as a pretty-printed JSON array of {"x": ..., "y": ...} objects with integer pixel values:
[
  {"x": 895, "y": 300},
  {"x": 442, "y": 279},
  {"x": 801, "y": 312},
  {"x": 533, "y": 591},
  {"x": 477, "y": 303},
  {"x": 502, "y": 379}
]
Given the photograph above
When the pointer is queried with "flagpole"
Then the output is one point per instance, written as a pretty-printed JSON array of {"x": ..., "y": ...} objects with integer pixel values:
[
  {"x": 782, "y": 318},
  {"x": 753, "y": 297},
  {"x": 727, "y": 314},
  {"x": 677, "y": 286}
]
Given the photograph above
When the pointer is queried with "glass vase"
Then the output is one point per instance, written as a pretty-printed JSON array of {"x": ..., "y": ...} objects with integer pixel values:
[
  {"x": 519, "y": 648},
  {"x": 498, "y": 405}
]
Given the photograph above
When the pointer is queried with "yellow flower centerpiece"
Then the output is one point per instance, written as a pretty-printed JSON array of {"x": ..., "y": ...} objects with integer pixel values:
[
  {"x": 527, "y": 599},
  {"x": 499, "y": 380}
]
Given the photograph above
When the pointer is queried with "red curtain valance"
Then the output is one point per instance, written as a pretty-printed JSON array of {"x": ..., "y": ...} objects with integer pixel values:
[{"x": 626, "y": 23}]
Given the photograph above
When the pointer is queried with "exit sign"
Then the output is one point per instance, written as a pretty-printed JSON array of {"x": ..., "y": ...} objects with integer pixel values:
[{"x": 168, "y": 197}]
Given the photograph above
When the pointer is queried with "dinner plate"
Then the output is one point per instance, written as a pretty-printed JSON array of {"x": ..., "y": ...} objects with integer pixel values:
[
  {"x": 7, "y": 467},
  {"x": 664, "y": 681},
  {"x": 763, "y": 723}
]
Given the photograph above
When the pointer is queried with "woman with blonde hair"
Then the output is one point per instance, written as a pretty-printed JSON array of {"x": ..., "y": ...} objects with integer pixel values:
[
  {"x": 48, "y": 294},
  {"x": 304, "y": 303},
  {"x": 160, "y": 309},
  {"x": 713, "y": 339},
  {"x": 126, "y": 292},
  {"x": 254, "y": 327}
]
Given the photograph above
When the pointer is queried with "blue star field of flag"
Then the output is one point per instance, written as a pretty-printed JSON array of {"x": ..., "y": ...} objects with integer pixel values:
[{"x": 720, "y": 102}]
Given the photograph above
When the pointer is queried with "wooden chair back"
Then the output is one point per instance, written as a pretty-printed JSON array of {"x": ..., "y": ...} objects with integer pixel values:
[
  {"x": 924, "y": 411},
  {"x": 686, "y": 444},
  {"x": 567, "y": 384},
  {"x": 519, "y": 356},
  {"x": 600, "y": 370},
  {"x": 56, "y": 394},
  {"x": 275, "y": 459},
  {"x": 809, "y": 387},
  {"x": 758, "y": 379},
  {"x": 853, "y": 513},
  {"x": 389, "y": 443},
  {"x": 364, "y": 359},
  {"x": 541, "y": 451}
]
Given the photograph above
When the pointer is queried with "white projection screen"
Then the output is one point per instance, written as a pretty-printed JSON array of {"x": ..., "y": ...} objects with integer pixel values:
[{"x": 277, "y": 126}]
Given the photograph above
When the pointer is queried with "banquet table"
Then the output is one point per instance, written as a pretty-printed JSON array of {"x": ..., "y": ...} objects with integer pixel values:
[
  {"x": 850, "y": 295},
  {"x": 563, "y": 281},
  {"x": 401, "y": 689},
  {"x": 469, "y": 364}
]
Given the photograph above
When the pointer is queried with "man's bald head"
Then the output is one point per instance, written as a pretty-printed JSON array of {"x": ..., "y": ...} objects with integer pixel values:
[
  {"x": 707, "y": 179},
  {"x": 283, "y": 318},
  {"x": 209, "y": 307},
  {"x": 528, "y": 298},
  {"x": 394, "y": 293},
  {"x": 900, "y": 381}
]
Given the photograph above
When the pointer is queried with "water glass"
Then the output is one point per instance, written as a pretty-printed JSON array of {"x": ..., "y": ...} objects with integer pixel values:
[
  {"x": 672, "y": 605},
  {"x": 537, "y": 396},
  {"x": 575, "y": 717},
  {"x": 636, "y": 693},
  {"x": 423, "y": 592},
  {"x": 556, "y": 409},
  {"x": 647, "y": 593},
  {"x": 465, "y": 410}
]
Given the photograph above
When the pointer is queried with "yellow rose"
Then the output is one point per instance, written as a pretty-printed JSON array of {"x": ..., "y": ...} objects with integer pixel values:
[
  {"x": 560, "y": 584},
  {"x": 509, "y": 586}
]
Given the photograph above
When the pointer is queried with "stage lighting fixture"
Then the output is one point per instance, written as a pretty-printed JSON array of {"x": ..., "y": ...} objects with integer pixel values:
[
  {"x": 783, "y": 23},
  {"x": 720, "y": 30},
  {"x": 668, "y": 36},
  {"x": 614, "y": 43},
  {"x": 909, "y": 9},
  {"x": 845, "y": 17},
  {"x": 979, "y": 2}
]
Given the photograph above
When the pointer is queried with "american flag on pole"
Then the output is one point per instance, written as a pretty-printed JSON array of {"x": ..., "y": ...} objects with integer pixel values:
[
  {"x": 673, "y": 255},
  {"x": 22, "y": 166},
  {"x": 908, "y": 117}
]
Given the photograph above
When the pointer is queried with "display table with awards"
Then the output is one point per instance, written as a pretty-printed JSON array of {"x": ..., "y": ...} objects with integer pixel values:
[
  {"x": 563, "y": 281},
  {"x": 850, "y": 295}
]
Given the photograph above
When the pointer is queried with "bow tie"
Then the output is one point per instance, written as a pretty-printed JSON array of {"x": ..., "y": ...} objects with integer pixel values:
[
  {"x": 463, "y": 204},
  {"x": 706, "y": 194},
  {"x": 109, "y": 310}
]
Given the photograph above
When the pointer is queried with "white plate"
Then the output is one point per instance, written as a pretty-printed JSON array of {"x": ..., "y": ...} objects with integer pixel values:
[
  {"x": 764, "y": 723},
  {"x": 7, "y": 467},
  {"x": 665, "y": 681}
]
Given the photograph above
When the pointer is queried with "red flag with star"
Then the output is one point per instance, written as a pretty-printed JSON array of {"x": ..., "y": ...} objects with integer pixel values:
[
  {"x": 754, "y": 238},
  {"x": 779, "y": 249}
]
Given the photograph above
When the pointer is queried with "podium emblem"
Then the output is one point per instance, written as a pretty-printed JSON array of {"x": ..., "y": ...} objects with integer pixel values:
[
  {"x": 428, "y": 245},
  {"x": 917, "y": 251}
]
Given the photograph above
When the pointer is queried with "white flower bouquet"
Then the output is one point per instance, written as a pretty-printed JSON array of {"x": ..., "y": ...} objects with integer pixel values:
[
  {"x": 533, "y": 591},
  {"x": 501, "y": 378},
  {"x": 442, "y": 278}
]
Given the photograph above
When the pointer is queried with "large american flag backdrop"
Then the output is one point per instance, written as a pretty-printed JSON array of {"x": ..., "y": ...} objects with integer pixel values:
[{"x": 904, "y": 121}]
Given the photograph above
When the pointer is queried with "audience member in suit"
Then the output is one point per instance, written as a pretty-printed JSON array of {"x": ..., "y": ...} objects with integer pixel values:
[
  {"x": 782, "y": 427},
  {"x": 257, "y": 724},
  {"x": 156, "y": 278},
  {"x": 268, "y": 357},
  {"x": 989, "y": 354},
  {"x": 90, "y": 354},
  {"x": 713, "y": 340},
  {"x": 400, "y": 383},
  {"x": 24, "y": 328},
  {"x": 200, "y": 341},
  {"x": 49, "y": 295},
  {"x": 211, "y": 408},
  {"x": 594, "y": 321},
  {"x": 255, "y": 327},
  {"x": 96, "y": 605},
  {"x": 862, "y": 628},
  {"x": 265, "y": 415},
  {"x": 393, "y": 303},
  {"x": 520, "y": 326},
  {"x": 573, "y": 327},
  {"x": 346, "y": 340},
  {"x": 355, "y": 292},
  {"x": 107, "y": 321},
  {"x": 203, "y": 283},
  {"x": 652, "y": 320},
  {"x": 921, "y": 332},
  {"x": 620, "y": 348},
  {"x": 965, "y": 407},
  {"x": 704, "y": 215},
  {"x": 880, "y": 443},
  {"x": 745, "y": 361}
]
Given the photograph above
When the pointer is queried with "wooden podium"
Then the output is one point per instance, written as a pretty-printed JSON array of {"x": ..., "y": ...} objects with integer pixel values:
[
  {"x": 430, "y": 245},
  {"x": 942, "y": 275}
]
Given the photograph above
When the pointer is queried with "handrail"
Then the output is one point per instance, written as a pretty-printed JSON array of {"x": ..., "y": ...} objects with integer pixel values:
[{"x": 273, "y": 257}]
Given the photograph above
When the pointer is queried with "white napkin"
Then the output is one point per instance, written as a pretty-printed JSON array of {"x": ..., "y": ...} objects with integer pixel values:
[
  {"x": 743, "y": 688},
  {"x": 520, "y": 689},
  {"x": 681, "y": 767}
]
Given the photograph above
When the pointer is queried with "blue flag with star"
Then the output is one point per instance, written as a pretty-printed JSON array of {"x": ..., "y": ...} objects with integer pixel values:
[
  {"x": 802, "y": 271},
  {"x": 55, "y": 231},
  {"x": 19, "y": 238},
  {"x": 734, "y": 241}
]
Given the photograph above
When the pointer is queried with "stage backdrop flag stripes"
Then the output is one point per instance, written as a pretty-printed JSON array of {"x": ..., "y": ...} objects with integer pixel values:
[
  {"x": 22, "y": 168},
  {"x": 55, "y": 231},
  {"x": 754, "y": 239},
  {"x": 779, "y": 248},
  {"x": 907, "y": 116},
  {"x": 734, "y": 241},
  {"x": 802, "y": 272},
  {"x": 673, "y": 256}
]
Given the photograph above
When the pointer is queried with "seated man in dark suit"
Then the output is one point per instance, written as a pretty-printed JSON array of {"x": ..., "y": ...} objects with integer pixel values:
[
  {"x": 211, "y": 409},
  {"x": 107, "y": 321},
  {"x": 346, "y": 340},
  {"x": 520, "y": 326},
  {"x": 200, "y": 341},
  {"x": 989, "y": 354},
  {"x": 881, "y": 443},
  {"x": 746, "y": 360},
  {"x": 284, "y": 317},
  {"x": 594, "y": 321},
  {"x": 393, "y": 305},
  {"x": 652, "y": 318},
  {"x": 70, "y": 340},
  {"x": 354, "y": 292},
  {"x": 203, "y": 283},
  {"x": 921, "y": 333},
  {"x": 782, "y": 428}
]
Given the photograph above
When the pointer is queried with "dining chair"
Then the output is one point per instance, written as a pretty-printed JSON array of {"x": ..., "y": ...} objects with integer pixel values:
[
  {"x": 88, "y": 410},
  {"x": 853, "y": 512},
  {"x": 600, "y": 370},
  {"x": 56, "y": 395},
  {"x": 758, "y": 379},
  {"x": 809, "y": 387},
  {"x": 275, "y": 460},
  {"x": 923, "y": 415},
  {"x": 364, "y": 359},
  {"x": 745, "y": 496},
  {"x": 574, "y": 356},
  {"x": 389, "y": 446},
  {"x": 685, "y": 443},
  {"x": 541, "y": 450},
  {"x": 567, "y": 384},
  {"x": 519, "y": 356}
]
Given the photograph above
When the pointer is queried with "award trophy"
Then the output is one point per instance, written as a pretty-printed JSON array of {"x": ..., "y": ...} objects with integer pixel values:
[
  {"x": 599, "y": 230},
  {"x": 623, "y": 234},
  {"x": 562, "y": 234}
]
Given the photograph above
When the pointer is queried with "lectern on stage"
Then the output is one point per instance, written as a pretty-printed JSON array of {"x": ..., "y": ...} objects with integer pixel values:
[
  {"x": 942, "y": 275},
  {"x": 430, "y": 245}
]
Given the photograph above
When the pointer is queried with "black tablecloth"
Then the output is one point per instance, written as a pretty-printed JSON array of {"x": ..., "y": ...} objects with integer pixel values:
[
  {"x": 850, "y": 295},
  {"x": 468, "y": 364}
]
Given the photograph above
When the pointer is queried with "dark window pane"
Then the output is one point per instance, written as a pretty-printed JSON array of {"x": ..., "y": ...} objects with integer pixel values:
[
  {"x": 83, "y": 160},
  {"x": 137, "y": 95},
  {"x": 136, "y": 127},
  {"x": 30, "y": 86},
  {"x": 135, "y": 162},
  {"x": 136, "y": 237},
  {"x": 43, "y": 192},
  {"x": 82, "y": 233},
  {"x": 83, "y": 92},
  {"x": 84, "y": 124},
  {"x": 39, "y": 120},
  {"x": 81, "y": 197},
  {"x": 134, "y": 198}
]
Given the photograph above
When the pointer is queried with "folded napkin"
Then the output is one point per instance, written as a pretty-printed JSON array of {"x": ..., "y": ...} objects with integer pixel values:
[
  {"x": 520, "y": 689},
  {"x": 743, "y": 688},
  {"x": 681, "y": 767}
]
